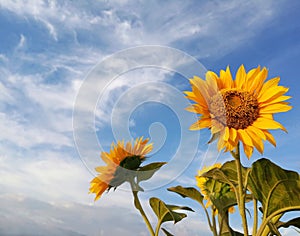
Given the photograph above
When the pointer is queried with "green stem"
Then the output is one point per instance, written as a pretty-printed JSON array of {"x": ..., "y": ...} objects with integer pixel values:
[
  {"x": 224, "y": 228},
  {"x": 208, "y": 219},
  {"x": 214, "y": 225},
  {"x": 275, "y": 214},
  {"x": 241, "y": 191},
  {"x": 138, "y": 206},
  {"x": 157, "y": 228},
  {"x": 255, "y": 217}
]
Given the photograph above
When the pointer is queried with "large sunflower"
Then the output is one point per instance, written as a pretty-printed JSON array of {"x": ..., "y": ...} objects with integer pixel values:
[
  {"x": 120, "y": 157},
  {"x": 240, "y": 109}
]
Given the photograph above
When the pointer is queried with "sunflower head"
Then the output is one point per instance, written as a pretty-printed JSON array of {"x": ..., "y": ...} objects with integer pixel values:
[
  {"x": 120, "y": 162},
  {"x": 213, "y": 190},
  {"x": 240, "y": 109}
]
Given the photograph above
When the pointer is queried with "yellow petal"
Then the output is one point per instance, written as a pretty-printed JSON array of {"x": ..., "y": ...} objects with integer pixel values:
[
  {"x": 270, "y": 137},
  {"x": 226, "y": 78},
  {"x": 201, "y": 124},
  {"x": 279, "y": 99},
  {"x": 258, "y": 81},
  {"x": 275, "y": 108},
  {"x": 196, "y": 108},
  {"x": 226, "y": 134},
  {"x": 257, "y": 141},
  {"x": 272, "y": 93},
  {"x": 245, "y": 137},
  {"x": 229, "y": 146},
  {"x": 198, "y": 95},
  {"x": 269, "y": 84},
  {"x": 267, "y": 116},
  {"x": 263, "y": 123},
  {"x": 251, "y": 75},
  {"x": 211, "y": 80},
  {"x": 233, "y": 134},
  {"x": 248, "y": 150},
  {"x": 221, "y": 143},
  {"x": 216, "y": 126},
  {"x": 201, "y": 86},
  {"x": 257, "y": 131},
  {"x": 190, "y": 95},
  {"x": 240, "y": 77},
  {"x": 100, "y": 169}
]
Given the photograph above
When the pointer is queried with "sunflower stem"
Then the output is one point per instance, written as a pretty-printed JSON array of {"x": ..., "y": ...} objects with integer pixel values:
[
  {"x": 208, "y": 218},
  {"x": 255, "y": 217},
  {"x": 241, "y": 190},
  {"x": 138, "y": 206},
  {"x": 214, "y": 225}
]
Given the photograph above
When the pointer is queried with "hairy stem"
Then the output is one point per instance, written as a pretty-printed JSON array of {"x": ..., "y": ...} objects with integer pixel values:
[
  {"x": 241, "y": 194},
  {"x": 214, "y": 225},
  {"x": 138, "y": 206}
]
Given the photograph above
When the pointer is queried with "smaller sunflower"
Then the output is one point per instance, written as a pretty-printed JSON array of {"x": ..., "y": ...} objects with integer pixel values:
[
  {"x": 121, "y": 157},
  {"x": 211, "y": 188}
]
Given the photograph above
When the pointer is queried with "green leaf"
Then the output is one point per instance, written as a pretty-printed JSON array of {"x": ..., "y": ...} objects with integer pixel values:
[
  {"x": 159, "y": 207},
  {"x": 166, "y": 212},
  {"x": 294, "y": 222},
  {"x": 226, "y": 174},
  {"x": 121, "y": 176},
  {"x": 276, "y": 188},
  {"x": 146, "y": 172},
  {"x": 217, "y": 174},
  {"x": 189, "y": 192},
  {"x": 167, "y": 232},
  {"x": 174, "y": 208},
  {"x": 221, "y": 195},
  {"x": 229, "y": 170}
]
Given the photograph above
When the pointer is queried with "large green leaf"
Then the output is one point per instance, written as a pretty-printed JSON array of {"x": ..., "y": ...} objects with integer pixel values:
[
  {"x": 276, "y": 188},
  {"x": 229, "y": 170},
  {"x": 166, "y": 212},
  {"x": 121, "y": 176},
  {"x": 227, "y": 173},
  {"x": 189, "y": 192},
  {"x": 146, "y": 172}
]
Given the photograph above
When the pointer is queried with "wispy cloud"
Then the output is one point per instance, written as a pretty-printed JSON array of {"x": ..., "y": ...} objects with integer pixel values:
[{"x": 21, "y": 42}]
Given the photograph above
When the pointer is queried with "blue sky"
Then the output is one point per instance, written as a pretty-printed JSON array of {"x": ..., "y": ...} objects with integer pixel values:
[{"x": 48, "y": 50}]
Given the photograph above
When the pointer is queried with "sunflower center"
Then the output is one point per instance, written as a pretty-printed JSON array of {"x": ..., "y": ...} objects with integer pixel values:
[
  {"x": 234, "y": 109},
  {"x": 131, "y": 162}
]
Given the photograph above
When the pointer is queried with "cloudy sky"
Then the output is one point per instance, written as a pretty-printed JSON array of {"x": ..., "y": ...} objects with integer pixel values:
[{"x": 59, "y": 109}]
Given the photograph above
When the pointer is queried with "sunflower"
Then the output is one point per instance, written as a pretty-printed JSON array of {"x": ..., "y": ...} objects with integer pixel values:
[
  {"x": 239, "y": 110},
  {"x": 201, "y": 181},
  {"x": 212, "y": 188},
  {"x": 121, "y": 157}
]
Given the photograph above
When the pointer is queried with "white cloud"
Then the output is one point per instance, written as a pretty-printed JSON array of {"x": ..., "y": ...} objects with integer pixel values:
[
  {"x": 21, "y": 43},
  {"x": 28, "y": 136},
  {"x": 5, "y": 95},
  {"x": 51, "y": 28},
  {"x": 135, "y": 26},
  {"x": 50, "y": 192}
]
